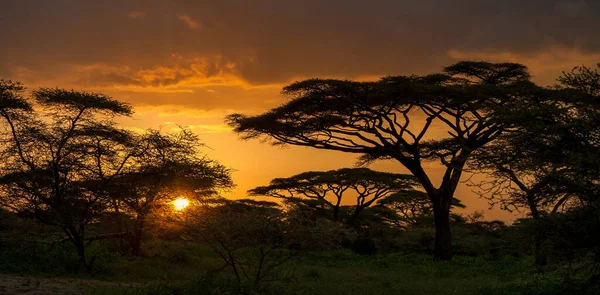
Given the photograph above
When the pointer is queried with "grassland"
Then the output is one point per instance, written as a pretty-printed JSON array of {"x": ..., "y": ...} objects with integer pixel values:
[{"x": 185, "y": 268}]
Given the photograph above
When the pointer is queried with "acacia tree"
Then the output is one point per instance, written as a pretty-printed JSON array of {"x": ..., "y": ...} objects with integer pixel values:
[
  {"x": 327, "y": 188},
  {"x": 167, "y": 166},
  {"x": 400, "y": 118},
  {"x": 547, "y": 164},
  {"x": 57, "y": 167}
]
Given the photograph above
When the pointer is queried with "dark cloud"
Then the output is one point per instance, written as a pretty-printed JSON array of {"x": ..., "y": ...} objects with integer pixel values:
[{"x": 273, "y": 41}]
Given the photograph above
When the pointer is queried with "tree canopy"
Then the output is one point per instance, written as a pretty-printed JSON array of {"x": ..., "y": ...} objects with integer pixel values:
[
  {"x": 326, "y": 189},
  {"x": 56, "y": 167}
]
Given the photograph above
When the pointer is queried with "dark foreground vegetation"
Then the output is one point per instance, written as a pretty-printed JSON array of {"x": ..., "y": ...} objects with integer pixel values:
[
  {"x": 82, "y": 197},
  {"x": 491, "y": 263}
]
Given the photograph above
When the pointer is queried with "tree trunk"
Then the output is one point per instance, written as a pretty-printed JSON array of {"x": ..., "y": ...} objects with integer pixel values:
[
  {"x": 354, "y": 217},
  {"x": 79, "y": 244},
  {"x": 442, "y": 249},
  {"x": 136, "y": 245},
  {"x": 540, "y": 256},
  {"x": 119, "y": 223},
  {"x": 441, "y": 199},
  {"x": 336, "y": 208},
  {"x": 336, "y": 213}
]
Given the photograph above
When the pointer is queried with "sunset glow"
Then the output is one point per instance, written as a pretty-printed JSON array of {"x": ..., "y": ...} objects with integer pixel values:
[
  {"x": 181, "y": 204},
  {"x": 191, "y": 63},
  {"x": 444, "y": 137}
]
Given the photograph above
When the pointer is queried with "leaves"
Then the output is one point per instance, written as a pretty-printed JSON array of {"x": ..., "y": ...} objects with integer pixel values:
[
  {"x": 11, "y": 97},
  {"x": 327, "y": 188},
  {"x": 62, "y": 99}
]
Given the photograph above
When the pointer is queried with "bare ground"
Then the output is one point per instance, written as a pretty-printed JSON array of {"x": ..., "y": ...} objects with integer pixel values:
[{"x": 15, "y": 284}]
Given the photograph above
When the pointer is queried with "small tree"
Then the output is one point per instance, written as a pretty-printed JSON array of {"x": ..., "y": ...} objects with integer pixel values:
[
  {"x": 57, "y": 167},
  {"x": 254, "y": 238},
  {"x": 392, "y": 119},
  {"x": 327, "y": 189},
  {"x": 166, "y": 166}
]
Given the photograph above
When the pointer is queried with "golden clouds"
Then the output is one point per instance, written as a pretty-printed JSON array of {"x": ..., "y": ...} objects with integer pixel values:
[{"x": 178, "y": 75}]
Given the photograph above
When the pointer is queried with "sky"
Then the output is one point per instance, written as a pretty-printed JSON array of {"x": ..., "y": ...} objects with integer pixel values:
[{"x": 192, "y": 62}]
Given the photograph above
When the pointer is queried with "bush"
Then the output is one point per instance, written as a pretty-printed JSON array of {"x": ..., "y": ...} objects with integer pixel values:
[{"x": 364, "y": 246}]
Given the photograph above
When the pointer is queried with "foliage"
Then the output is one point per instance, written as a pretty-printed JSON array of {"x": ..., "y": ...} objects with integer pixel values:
[{"x": 325, "y": 190}]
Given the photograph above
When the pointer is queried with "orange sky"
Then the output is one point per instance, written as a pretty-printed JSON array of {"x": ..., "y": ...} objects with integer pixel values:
[{"x": 192, "y": 62}]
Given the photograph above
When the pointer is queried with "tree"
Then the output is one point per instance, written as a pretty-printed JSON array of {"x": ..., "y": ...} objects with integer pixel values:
[
  {"x": 366, "y": 185},
  {"x": 57, "y": 167},
  {"x": 166, "y": 167},
  {"x": 407, "y": 208},
  {"x": 394, "y": 118},
  {"x": 542, "y": 165},
  {"x": 521, "y": 175},
  {"x": 256, "y": 239}
]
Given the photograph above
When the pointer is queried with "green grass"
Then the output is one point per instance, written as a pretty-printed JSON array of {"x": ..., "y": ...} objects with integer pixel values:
[
  {"x": 342, "y": 272},
  {"x": 177, "y": 268}
]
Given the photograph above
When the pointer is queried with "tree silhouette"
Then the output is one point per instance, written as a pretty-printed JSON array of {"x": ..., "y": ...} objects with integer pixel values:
[
  {"x": 256, "y": 239},
  {"x": 394, "y": 118},
  {"x": 167, "y": 166},
  {"x": 57, "y": 167},
  {"x": 366, "y": 185},
  {"x": 542, "y": 166}
]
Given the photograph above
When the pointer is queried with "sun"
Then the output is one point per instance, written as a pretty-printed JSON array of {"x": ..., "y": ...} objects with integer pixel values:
[{"x": 181, "y": 203}]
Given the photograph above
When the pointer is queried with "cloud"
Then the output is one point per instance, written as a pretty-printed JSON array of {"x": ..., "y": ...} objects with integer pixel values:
[
  {"x": 177, "y": 75},
  {"x": 191, "y": 23},
  {"x": 136, "y": 14},
  {"x": 571, "y": 8},
  {"x": 545, "y": 65},
  {"x": 271, "y": 43}
]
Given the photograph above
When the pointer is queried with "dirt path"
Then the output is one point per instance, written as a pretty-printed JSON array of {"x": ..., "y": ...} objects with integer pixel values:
[{"x": 16, "y": 284}]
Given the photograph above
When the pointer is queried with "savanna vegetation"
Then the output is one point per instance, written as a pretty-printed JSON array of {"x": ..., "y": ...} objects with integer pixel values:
[{"x": 144, "y": 213}]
